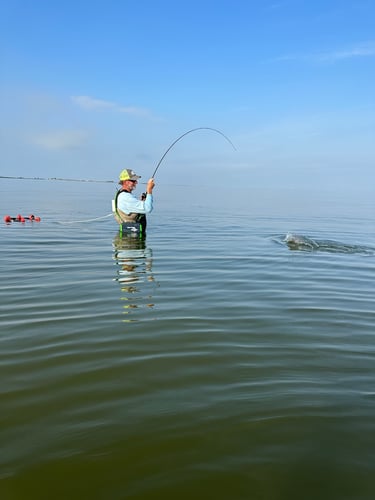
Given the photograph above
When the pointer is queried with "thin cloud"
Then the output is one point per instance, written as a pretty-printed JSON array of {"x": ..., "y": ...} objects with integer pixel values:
[
  {"x": 361, "y": 50},
  {"x": 276, "y": 5},
  {"x": 60, "y": 140},
  {"x": 87, "y": 102},
  {"x": 92, "y": 104}
]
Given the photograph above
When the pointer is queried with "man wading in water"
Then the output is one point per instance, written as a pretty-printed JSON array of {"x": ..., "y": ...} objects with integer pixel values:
[{"x": 130, "y": 212}]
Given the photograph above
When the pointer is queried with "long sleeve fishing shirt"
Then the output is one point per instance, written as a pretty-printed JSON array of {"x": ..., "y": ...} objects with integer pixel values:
[{"x": 129, "y": 204}]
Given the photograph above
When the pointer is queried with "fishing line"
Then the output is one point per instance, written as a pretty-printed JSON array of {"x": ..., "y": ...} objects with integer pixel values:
[
  {"x": 86, "y": 220},
  {"x": 183, "y": 135}
]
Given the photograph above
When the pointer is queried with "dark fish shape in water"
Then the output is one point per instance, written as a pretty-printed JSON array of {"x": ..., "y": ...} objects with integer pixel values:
[
  {"x": 307, "y": 244},
  {"x": 300, "y": 242}
]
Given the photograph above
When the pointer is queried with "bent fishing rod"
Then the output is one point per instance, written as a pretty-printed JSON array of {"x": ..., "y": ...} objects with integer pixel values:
[
  {"x": 143, "y": 196},
  {"x": 183, "y": 135}
]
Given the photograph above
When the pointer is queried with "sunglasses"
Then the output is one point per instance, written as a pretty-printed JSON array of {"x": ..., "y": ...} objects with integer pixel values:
[{"x": 131, "y": 180}]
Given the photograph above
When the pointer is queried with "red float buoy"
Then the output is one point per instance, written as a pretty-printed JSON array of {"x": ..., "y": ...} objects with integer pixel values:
[{"x": 20, "y": 218}]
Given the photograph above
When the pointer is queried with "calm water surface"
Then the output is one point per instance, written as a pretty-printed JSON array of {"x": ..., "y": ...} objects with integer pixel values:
[{"x": 211, "y": 360}]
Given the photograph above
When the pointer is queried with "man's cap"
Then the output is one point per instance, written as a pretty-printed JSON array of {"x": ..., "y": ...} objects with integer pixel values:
[{"x": 128, "y": 175}]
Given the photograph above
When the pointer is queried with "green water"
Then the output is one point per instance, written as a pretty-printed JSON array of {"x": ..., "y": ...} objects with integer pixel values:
[{"x": 210, "y": 361}]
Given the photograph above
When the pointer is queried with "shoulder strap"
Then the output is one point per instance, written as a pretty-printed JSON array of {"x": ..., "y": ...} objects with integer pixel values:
[{"x": 121, "y": 216}]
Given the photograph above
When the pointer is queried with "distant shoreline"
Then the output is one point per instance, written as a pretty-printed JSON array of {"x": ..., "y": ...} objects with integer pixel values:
[{"x": 52, "y": 179}]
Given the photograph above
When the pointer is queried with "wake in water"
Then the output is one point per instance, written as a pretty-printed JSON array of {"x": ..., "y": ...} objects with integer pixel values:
[{"x": 307, "y": 244}]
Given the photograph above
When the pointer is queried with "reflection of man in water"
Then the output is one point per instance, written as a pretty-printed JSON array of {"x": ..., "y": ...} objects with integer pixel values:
[
  {"x": 128, "y": 209},
  {"x": 135, "y": 270}
]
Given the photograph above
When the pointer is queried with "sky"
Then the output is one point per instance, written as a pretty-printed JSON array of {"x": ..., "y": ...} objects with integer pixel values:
[{"x": 88, "y": 88}]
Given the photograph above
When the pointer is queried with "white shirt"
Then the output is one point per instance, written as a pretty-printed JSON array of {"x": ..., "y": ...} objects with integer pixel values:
[{"x": 129, "y": 204}]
